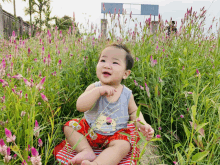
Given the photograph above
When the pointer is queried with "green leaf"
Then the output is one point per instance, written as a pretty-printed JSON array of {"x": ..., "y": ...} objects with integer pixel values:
[
  {"x": 141, "y": 122},
  {"x": 199, "y": 156},
  {"x": 193, "y": 112},
  {"x": 191, "y": 149},
  {"x": 177, "y": 145},
  {"x": 199, "y": 128},
  {"x": 140, "y": 142},
  {"x": 185, "y": 51},
  {"x": 180, "y": 158},
  {"x": 167, "y": 136},
  {"x": 171, "y": 120},
  {"x": 204, "y": 88},
  {"x": 142, "y": 136},
  {"x": 186, "y": 131},
  {"x": 156, "y": 90},
  {"x": 125, "y": 134},
  {"x": 138, "y": 111},
  {"x": 156, "y": 139},
  {"x": 195, "y": 97}
]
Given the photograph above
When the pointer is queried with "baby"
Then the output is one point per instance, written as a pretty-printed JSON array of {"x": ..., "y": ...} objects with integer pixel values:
[{"x": 108, "y": 106}]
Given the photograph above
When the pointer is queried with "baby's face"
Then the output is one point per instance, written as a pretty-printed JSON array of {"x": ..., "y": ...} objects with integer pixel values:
[{"x": 111, "y": 66}]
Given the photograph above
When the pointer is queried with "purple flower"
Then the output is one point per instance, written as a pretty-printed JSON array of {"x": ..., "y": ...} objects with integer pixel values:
[
  {"x": 135, "y": 82},
  {"x": 147, "y": 90},
  {"x": 141, "y": 87},
  {"x": 9, "y": 136},
  {"x": 40, "y": 85},
  {"x": 197, "y": 71},
  {"x": 4, "y": 83},
  {"x": 35, "y": 159},
  {"x": 44, "y": 97},
  {"x": 40, "y": 143},
  {"x": 159, "y": 128},
  {"x": 158, "y": 136},
  {"x": 34, "y": 152},
  {"x": 182, "y": 116}
]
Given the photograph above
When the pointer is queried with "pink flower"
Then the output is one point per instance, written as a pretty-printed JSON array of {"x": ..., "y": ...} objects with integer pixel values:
[
  {"x": 197, "y": 71},
  {"x": 59, "y": 62},
  {"x": 29, "y": 50},
  {"x": 183, "y": 68},
  {"x": 160, "y": 80},
  {"x": 135, "y": 82},
  {"x": 39, "y": 103},
  {"x": 44, "y": 97},
  {"x": 153, "y": 62},
  {"x": 182, "y": 116},
  {"x": 137, "y": 59},
  {"x": 15, "y": 156},
  {"x": 174, "y": 162},
  {"x": 29, "y": 84},
  {"x": 23, "y": 113},
  {"x": 9, "y": 136},
  {"x": 3, "y": 147},
  {"x": 189, "y": 93},
  {"x": 159, "y": 128},
  {"x": 141, "y": 87},
  {"x": 4, "y": 83},
  {"x": 36, "y": 129},
  {"x": 147, "y": 90},
  {"x": 35, "y": 159},
  {"x": 40, "y": 143},
  {"x": 40, "y": 85},
  {"x": 19, "y": 76},
  {"x": 2, "y": 99},
  {"x": 7, "y": 157},
  {"x": 158, "y": 136},
  {"x": 24, "y": 163}
]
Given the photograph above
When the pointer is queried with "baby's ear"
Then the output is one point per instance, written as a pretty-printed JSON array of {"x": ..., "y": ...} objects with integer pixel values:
[{"x": 127, "y": 73}]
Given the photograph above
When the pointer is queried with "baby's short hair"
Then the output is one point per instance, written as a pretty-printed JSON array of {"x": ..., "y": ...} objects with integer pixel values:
[{"x": 129, "y": 59}]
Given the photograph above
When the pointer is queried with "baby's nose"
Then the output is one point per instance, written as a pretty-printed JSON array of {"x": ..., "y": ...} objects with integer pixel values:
[{"x": 107, "y": 65}]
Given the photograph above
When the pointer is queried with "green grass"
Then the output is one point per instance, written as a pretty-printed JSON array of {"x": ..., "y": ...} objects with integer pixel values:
[{"x": 178, "y": 57}]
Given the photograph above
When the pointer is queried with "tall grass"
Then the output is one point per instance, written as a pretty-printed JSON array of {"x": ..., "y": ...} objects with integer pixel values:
[{"x": 175, "y": 79}]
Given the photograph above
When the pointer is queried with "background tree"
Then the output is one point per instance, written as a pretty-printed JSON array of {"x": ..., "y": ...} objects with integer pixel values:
[
  {"x": 39, "y": 7},
  {"x": 64, "y": 23},
  {"x": 13, "y": 5}
]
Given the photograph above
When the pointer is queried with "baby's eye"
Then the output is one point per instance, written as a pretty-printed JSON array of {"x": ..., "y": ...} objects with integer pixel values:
[
  {"x": 102, "y": 60},
  {"x": 115, "y": 63}
]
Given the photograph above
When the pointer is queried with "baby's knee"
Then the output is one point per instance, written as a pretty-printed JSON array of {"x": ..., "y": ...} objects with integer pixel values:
[
  {"x": 67, "y": 130},
  {"x": 121, "y": 144}
]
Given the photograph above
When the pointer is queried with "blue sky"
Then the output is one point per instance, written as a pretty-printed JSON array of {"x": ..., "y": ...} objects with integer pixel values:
[{"x": 87, "y": 9}]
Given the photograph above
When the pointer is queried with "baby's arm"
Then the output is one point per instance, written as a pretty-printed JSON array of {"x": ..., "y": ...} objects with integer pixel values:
[
  {"x": 146, "y": 129},
  {"x": 88, "y": 98},
  {"x": 132, "y": 109}
]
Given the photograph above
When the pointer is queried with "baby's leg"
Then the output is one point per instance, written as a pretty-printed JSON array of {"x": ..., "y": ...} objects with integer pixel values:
[
  {"x": 83, "y": 149},
  {"x": 112, "y": 155}
]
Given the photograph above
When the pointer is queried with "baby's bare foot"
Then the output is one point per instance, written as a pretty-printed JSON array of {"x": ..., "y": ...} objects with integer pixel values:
[
  {"x": 86, "y": 162},
  {"x": 85, "y": 154}
]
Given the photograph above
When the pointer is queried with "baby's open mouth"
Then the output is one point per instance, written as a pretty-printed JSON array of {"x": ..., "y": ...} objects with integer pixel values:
[{"x": 106, "y": 73}]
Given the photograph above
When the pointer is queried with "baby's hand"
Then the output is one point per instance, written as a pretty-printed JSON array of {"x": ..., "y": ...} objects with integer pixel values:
[
  {"x": 107, "y": 90},
  {"x": 147, "y": 131}
]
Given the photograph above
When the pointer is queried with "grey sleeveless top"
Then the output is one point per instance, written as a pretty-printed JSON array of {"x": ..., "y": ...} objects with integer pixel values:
[{"x": 107, "y": 118}]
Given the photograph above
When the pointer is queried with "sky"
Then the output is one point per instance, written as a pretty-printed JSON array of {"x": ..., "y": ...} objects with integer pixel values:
[{"x": 91, "y": 10}]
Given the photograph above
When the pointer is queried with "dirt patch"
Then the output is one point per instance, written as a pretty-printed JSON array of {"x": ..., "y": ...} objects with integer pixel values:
[{"x": 151, "y": 155}]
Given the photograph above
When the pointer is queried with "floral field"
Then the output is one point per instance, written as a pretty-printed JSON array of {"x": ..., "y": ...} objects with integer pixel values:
[{"x": 175, "y": 82}]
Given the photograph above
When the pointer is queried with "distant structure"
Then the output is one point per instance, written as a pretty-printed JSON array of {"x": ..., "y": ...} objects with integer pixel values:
[
  {"x": 7, "y": 24},
  {"x": 146, "y": 9}
]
